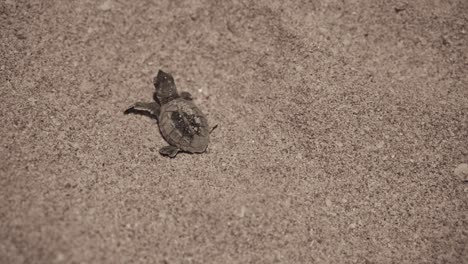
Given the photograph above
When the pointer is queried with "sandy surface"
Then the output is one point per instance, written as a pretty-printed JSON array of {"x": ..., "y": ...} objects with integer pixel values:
[{"x": 343, "y": 130}]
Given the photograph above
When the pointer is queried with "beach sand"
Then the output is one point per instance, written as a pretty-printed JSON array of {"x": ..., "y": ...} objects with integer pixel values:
[{"x": 342, "y": 132}]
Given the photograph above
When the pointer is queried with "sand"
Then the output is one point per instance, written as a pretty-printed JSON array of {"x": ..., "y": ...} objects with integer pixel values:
[{"x": 342, "y": 132}]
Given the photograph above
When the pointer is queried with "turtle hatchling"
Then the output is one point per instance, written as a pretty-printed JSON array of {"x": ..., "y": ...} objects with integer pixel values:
[{"x": 181, "y": 122}]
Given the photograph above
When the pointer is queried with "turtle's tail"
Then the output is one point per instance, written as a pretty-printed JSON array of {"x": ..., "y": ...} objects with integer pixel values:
[{"x": 213, "y": 128}]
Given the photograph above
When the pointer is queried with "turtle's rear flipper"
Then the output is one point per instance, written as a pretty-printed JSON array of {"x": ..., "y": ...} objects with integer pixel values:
[
  {"x": 153, "y": 109},
  {"x": 170, "y": 151},
  {"x": 186, "y": 96}
]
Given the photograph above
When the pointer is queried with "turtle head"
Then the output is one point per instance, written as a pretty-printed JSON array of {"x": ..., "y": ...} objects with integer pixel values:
[{"x": 165, "y": 87}]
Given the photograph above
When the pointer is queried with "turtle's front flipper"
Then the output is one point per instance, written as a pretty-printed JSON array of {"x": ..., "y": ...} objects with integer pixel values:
[
  {"x": 170, "y": 151},
  {"x": 153, "y": 108},
  {"x": 186, "y": 96}
]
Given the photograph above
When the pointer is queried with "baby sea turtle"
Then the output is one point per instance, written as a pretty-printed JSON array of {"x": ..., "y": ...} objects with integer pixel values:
[{"x": 181, "y": 123}]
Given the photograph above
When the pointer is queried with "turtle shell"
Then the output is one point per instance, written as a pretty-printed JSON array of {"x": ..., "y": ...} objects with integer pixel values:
[{"x": 183, "y": 125}]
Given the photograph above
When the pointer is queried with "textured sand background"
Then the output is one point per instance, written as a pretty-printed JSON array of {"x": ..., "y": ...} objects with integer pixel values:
[{"x": 341, "y": 125}]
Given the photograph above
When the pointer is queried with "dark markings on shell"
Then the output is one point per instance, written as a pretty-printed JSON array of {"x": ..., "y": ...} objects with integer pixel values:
[{"x": 188, "y": 125}]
